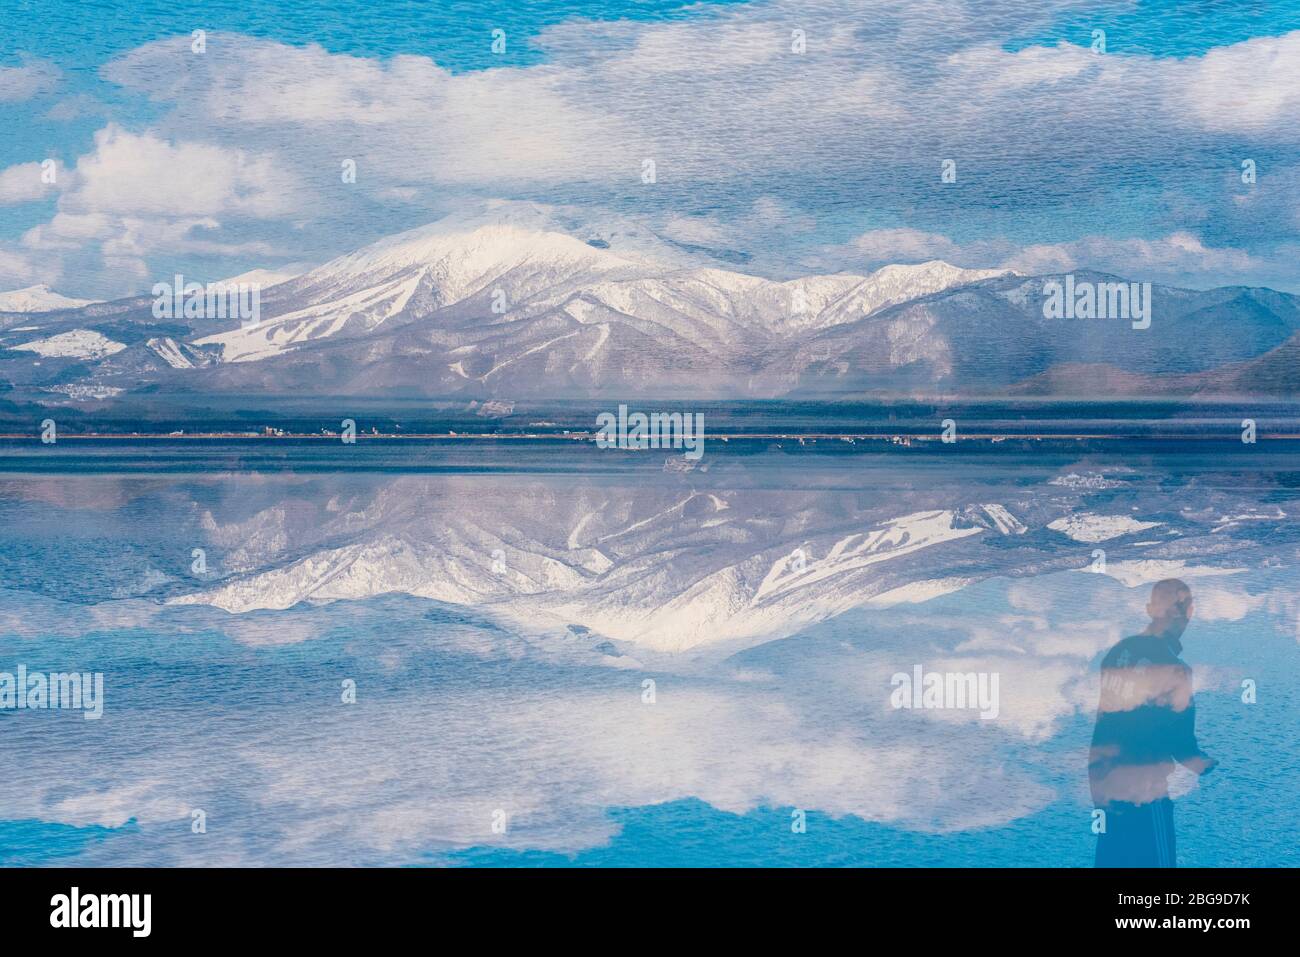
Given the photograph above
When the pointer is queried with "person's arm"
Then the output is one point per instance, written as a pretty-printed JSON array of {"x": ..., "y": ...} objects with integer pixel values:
[{"x": 1187, "y": 751}]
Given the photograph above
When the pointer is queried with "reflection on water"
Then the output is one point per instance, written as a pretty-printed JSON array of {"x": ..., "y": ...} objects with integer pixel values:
[{"x": 455, "y": 655}]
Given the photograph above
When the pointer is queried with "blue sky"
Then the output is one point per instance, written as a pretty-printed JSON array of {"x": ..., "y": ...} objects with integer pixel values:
[{"x": 211, "y": 163}]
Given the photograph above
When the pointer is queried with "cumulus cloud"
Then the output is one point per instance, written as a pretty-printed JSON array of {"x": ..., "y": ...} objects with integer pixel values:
[
  {"x": 130, "y": 174},
  {"x": 137, "y": 195},
  {"x": 849, "y": 132},
  {"x": 405, "y": 120}
]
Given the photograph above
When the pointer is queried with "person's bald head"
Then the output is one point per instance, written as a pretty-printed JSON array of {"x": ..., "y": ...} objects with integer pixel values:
[{"x": 1170, "y": 607}]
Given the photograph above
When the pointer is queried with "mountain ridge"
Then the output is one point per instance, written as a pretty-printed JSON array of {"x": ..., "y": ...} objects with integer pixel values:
[{"x": 528, "y": 301}]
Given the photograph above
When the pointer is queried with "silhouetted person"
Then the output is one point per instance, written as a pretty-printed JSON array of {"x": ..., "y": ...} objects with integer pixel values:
[{"x": 1146, "y": 722}]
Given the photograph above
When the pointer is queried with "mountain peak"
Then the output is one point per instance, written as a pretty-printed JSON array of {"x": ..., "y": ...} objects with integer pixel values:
[
  {"x": 937, "y": 268},
  {"x": 507, "y": 228},
  {"x": 38, "y": 298}
]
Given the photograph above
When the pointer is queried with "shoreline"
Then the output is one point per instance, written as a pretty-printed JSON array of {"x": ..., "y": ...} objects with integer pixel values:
[{"x": 893, "y": 438}]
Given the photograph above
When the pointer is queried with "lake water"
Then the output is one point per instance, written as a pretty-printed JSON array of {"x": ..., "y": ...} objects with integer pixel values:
[{"x": 513, "y": 653}]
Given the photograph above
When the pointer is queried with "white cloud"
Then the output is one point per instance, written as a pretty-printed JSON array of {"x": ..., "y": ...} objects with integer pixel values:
[
  {"x": 33, "y": 78},
  {"x": 18, "y": 268},
  {"x": 611, "y": 93},
  {"x": 1180, "y": 257},
  {"x": 903, "y": 245},
  {"x": 553, "y": 757},
  {"x": 404, "y": 121},
  {"x": 765, "y": 217},
  {"x": 135, "y": 196},
  {"x": 704, "y": 230},
  {"x": 130, "y": 174},
  {"x": 1249, "y": 87},
  {"x": 994, "y": 70},
  {"x": 1173, "y": 257},
  {"x": 23, "y": 183},
  {"x": 730, "y": 115}
]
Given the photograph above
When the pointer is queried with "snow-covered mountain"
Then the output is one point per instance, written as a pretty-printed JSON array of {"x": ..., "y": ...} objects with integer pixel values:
[
  {"x": 519, "y": 300},
  {"x": 38, "y": 299}
]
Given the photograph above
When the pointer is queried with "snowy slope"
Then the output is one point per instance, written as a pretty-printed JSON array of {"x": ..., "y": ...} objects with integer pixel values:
[
  {"x": 76, "y": 344},
  {"x": 265, "y": 278},
  {"x": 420, "y": 272},
  {"x": 1098, "y": 528}
]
